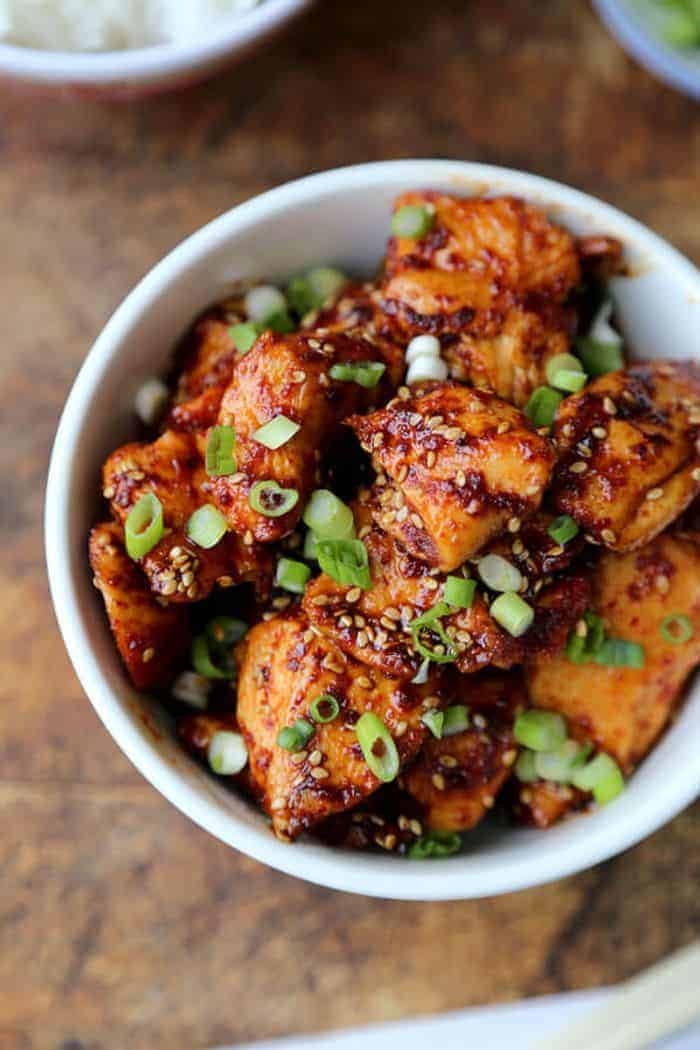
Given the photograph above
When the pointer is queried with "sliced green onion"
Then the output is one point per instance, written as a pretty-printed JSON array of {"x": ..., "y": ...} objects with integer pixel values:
[
  {"x": 292, "y": 575},
  {"x": 616, "y": 652},
  {"x": 297, "y": 736},
  {"x": 220, "y": 456},
  {"x": 300, "y": 296},
  {"x": 364, "y": 373},
  {"x": 276, "y": 432},
  {"x": 456, "y": 720},
  {"x": 412, "y": 220},
  {"x": 435, "y": 844},
  {"x": 514, "y": 614},
  {"x": 434, "y": 721},
  {"x": 562, "y": 363},
  {"x": 225, "y": 631},
  {"x": 144, "y": 527},
  {"x": 202, "y": 659},
  {"x": 324, "y": 708},
  {"x": 499, "y": 574},
  {"x": 325, "y": 283},
  {"x": 444, "y": 651},
  {"x": 151, "y": 398},
  {"x": 676, "y": 628},
  {"x": 426, "y": 369},
  {"x": 244, "y": 335},
  {"x": 569, "y": 380},
  {"x": 281, "y": 323},
  {"x": 377, "y": 746},
  {"x": 422, "y": 346},
  {"x": 421, "y": 675},
  {"x": 558, "y": 765},
  {"x": 525, "y": 767},
  {"x": 264, "y": 302},
  {"x": 580, "y": 650},
  {"x": 459, "y": 592},
  {"x": 540, "y": 730},
  {"x": 542, "y": 406},
  {"x": 206, "y": 526},
  {"x": 346, "y": 562},
  {"x": 269, "y": 499},
  {"x": 602, "y": 776},
  {"x": 311, "y": 546},
  {"x": 227, "y": 753},
  {"x": 328, "y": 517},
  {"x": 192, "y": 689},
  {"x": 563, "y": 529},
  {"x": 599, "y": 358}
]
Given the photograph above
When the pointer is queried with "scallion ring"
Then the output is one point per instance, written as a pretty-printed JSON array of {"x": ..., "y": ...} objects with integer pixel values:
[
  {"x": 225, "y": 631},
  {"x": 264, "y": 302},
  {"x": 412, "y": 220},
  {"x": 271, "y": 500},
  {"x": 378, "y": 746},
  {"x": 328, "y": 517},
  {"x": 434, "y": 721},
  {"x": 203, "y": 662},
  {"x": 144, "y": 526},
  {"x": 346, "y": 562},
  {"x": 524, "y": 768},
  {"x": 563, "y": 529},
  {"x": 565, "y": 372},
  {"x": 292, "y": 575},
  {"x": 542, "y": 406},
  {"x": 207, "y": 526},
  {"x": 599, "y": 358},
  {"x": 220, "y": 455},
  {"x": 602, "y": 775},
  {"x": 676, "y": 629},
  {"x": 364, "y": 373},
  {"x": 227, "y": 753},
  {"x": 513, "y": 614},
  {"x": 456, "y": 720},
  {"x": 296, "y": 736},
  {"x": 276, "y": 432},
  {"x": 324, "y": 708},
  {"x": 459, "y": 592},
  {"x": 435, "y": 844},
  {"x": 540, "y": 730},
  {"x": 499, "y": 574},
  {"x": 244, "y": 335}
]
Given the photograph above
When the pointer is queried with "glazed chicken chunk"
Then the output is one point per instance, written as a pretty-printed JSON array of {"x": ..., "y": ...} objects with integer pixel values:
[
  {"x": 456, "y": 778},
  {"x": 624, "y": 709},
  {"x": 172, "y": 467},
  {"x": 209, "y": 359},
  {"x": 284, "y": 667},
  {"x": 374, "y": 626},
  {"x": 489, "y": 278},
  {"x": 455, "y": 466},
  {"x": 629, "y": 452},
  {"x": 290, "y": 376},
  {"x": 151, "y": 638}
]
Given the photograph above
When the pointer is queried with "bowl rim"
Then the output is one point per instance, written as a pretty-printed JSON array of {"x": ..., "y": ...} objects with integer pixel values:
[
  {"x": 658, "y": 58},
  {"x": 377, "y": 876},
  {"x": 145, "y": 63}
]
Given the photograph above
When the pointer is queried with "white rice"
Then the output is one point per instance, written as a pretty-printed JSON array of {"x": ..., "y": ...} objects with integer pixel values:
[{"x": 111, "y": 25}]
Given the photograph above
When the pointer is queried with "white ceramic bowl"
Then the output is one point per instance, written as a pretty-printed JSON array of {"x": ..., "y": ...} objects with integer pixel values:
[
  {"x": 140, "y": 71},
  {"x": 340, "y": 217}
]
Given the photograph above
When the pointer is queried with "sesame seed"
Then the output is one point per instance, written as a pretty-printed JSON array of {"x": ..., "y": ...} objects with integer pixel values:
[
  {"x": 473, "y": 506},
  {"x": 138, "y": 475},
  {"x": 344, "y": 620},
  {"x": 225, "y": 581},
  {"x": 248, "y": 538},
  {"x": 187, "y": 578},
  {"x": 361, "y": 640},
  {"x": 333, "y": 662},
  {"x": 390, "y": 841},
  {"x": 654, "y": 494},
  {"x": 281, "y": 603},
  {"x": 438, "y": 781},
  {"x": 415, "y": 419},
  {"x": 526, "y": 796},
  {"x": 298, "y": 757},
  {"x": 417, "y": 521},
  {"x": 400, "y": 728},
  {"x": 316, "y": 757},
  {"x": 308, "y": 636},
  {"x": 192, "y": 591},
  {"x": 609, "y": 406},
  {"x": 359, "y": 621},
  {"x": 608, "y": 536},
  {"x": 460, "y": 479},
  {"x": 503, "y": 427},
  {"x": 431, "y": 583},
  {"x": 479, "y": 721},
  {"x": 319, "y": 773},
  {"x": 416, "y": 827},
  {"x": 364, "y": 682},
  {"x": 518, "y": 547},
  {"x": 430, "y": 459},
  {"x": 402, "y": 514},
  {"x": 509, "y": 757},
  {"x": 448, "y": 761},
  {"x": 175, "y": 552},
  {"x": 434, "y": 421},
  {"x": 320, "y": 599},
  {"x": 488, "y": 801},
  {"x": 579, "y": 467},
  {"x": 599, "y": 432},
  {"x": 377, "y": 440},
  {"x": 402, "y": 474},
  {"x": 404, "y": 393},
  {"x": 236, "y": 478},
  {"x": 514, "y": 525},
  {"x": 147, "y": 655},
  {"x": 584, "y": 450},
  {"x": 277, "y": 803},
  {"x": 663, "y": 584},
  {"x": 169, "y": 587},
  {"x": 298, "y": 376},
  {"x": 108, "y": 492},
  {"x": 695, "y": 475},
  {"x": 454, "y": 433},
  {"x": 353, "y": 594}
]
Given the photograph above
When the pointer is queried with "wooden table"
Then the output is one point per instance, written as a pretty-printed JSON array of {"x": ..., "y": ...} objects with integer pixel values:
[{"x": 122, "y": 924}]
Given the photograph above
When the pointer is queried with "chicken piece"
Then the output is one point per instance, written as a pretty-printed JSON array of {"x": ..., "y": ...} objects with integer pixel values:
[
  {"x": 489, "y": 279},
  {"x": 389, "y": 820},
  {"x": 288, "y": 375},
  {"x": 622, "y": 709},
  {"x": 529, "y": 547},
  {"x": 173, "y": 468},
  {"x": 687, "y": 527},
  {"x": 284, "y": 667},
  {"x": 456, "y": 779},
  {"x": 629, "y": 452},
  {"x": 461, "y": 463},
  {"x": 209, "y": 356},
  {"x": 151, "y": 639},
  {"x": 543, "y": 803},
  {"x": 357, "y": 311},
  {"x": 373, "y": 626}
]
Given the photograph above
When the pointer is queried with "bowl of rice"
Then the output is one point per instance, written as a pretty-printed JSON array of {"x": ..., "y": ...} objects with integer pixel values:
[{"x": 128, "y": 48}]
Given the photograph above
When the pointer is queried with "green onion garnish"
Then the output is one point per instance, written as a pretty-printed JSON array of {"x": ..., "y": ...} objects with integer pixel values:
[
  {"x": 281, "y": 323},
  {"x": 328, "y": 517},
  {"x": 434, "y": 721},
  {"x": 227, "y": 753},
  {"x": 676, "y": 628},
  {"x": 456, "y": 720},
  {"x": 422, "y": 674},
  {"x": 559, "y": 765},
  {"x": 203, "y": 659},
  {"x": 412, "y": 220},
  {"x": 144, "y": 527},
  {"x": 364, "y": 373},
  {"x": 599, "y": 358},
  {"x": 324, "y": 708},
  {"x": 569, "y": 380},
  {"x": 498, "y": 574},
  {"x": 563, "y": 529},
  {"x": 300, "y": 296},
  {"x": 525, "y": 767},
  {"x": 542, "y": 406},
  {"x": 269, "y": 499},
  {"x": 276, "y": 432},
  {"x": 616, "y": 652},
  {"x": 206, "y": 526},
  {"x": 346, "y": 562},
  {"x": 459, "y": 592},
  {"x": 297, "y": 736},
  {"x": 444, "y": 651},
  {"x": 540, "y": 730},
  {"x": 435, "y": 844},
  {"x": 563, "y": 363},
  {"x": 225, "y": 631},
  {"x": 292, "y": 575},
  {"x": 220, "y": 457},
  {"x": 263, "y": 302},
  {"x": 377, "y": 746},
  {"x": 244, "y": 335},
  {"x": 311, "y": 546},
  {"x": 581, "y": 650},
  {"x": 514, "y": 614},
  {"x": 325, "y": 283},
  {"x": 602, "y": 776}
]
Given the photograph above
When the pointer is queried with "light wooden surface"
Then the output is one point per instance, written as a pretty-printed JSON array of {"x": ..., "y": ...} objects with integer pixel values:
[{"x": 121, "y": 924}]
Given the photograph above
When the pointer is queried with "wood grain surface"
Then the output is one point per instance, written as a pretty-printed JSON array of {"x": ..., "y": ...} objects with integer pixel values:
[{"x": 122, "y": 924}]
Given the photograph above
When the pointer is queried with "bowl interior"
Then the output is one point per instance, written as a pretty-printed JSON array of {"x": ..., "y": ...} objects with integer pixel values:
[{"x": 341, "y": 218}]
